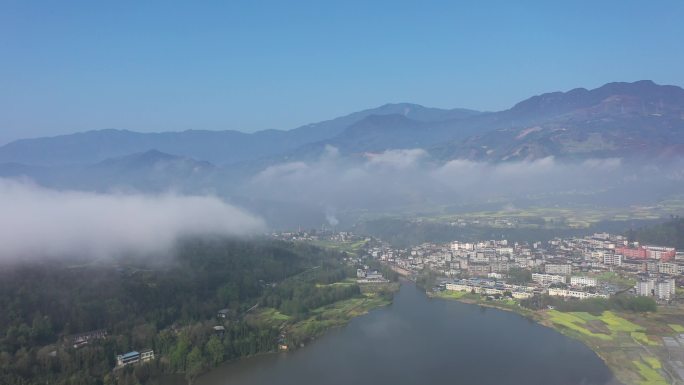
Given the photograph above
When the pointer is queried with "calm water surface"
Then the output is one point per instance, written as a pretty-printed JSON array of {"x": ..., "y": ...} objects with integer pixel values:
[{"x": 418, "y": 340}]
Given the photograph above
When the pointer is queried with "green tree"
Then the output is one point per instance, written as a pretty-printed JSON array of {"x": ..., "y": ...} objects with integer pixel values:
[
  {"x": 194, "y": 363},
  {"x": 519, "y": 276},
  {"x": 215, "y": 350},
  {"x": 179, "y": 353}
]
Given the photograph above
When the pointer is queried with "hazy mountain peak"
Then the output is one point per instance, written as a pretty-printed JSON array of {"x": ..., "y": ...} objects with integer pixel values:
[
  {"x": 555, "y": 103},
  {"x": 151, "y": 158},
  {"x": 381, "y": 123}
]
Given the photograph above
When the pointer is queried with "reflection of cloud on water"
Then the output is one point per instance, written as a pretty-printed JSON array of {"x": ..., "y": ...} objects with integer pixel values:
[{"x": 386, "y": 326}]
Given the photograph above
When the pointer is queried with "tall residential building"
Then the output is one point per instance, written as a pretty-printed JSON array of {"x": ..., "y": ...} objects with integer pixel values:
[
  {"x": 564, "y": 269},
  {"x": 644, "y": 287},
  {"x": 665, "y": 289},
  {"x": 612, "y": 259}
]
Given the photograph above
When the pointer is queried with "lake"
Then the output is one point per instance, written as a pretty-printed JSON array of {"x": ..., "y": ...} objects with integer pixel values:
[{"x": 418, "y": 340}]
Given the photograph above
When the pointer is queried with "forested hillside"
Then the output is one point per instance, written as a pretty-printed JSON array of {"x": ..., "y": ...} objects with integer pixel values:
[
  {"x": 169, "y": 306},
  {"x": 666, "y": 234}
]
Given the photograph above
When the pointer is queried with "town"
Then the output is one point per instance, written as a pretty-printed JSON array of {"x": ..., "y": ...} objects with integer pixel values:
[
  {"x": 575, "y": 268},
  {"x": 599, "y": 265}
]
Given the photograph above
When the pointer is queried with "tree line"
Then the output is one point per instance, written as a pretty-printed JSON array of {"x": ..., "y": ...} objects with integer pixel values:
[
  {"x": 166, "y": 304},
  {"x": 670, "y": 233}
]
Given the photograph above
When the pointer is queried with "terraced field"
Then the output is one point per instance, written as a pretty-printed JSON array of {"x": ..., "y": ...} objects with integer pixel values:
[{"x": 631, "y": 344}]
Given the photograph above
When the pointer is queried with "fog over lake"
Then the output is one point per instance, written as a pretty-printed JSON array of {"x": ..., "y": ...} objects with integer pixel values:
[{"x": 418, "y": 340}]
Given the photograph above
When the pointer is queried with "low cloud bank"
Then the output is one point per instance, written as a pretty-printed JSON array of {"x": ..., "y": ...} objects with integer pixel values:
[
  {"x": 410, "y": 177},
  {"x": 36, "y": 222},
  {"x": 333, "y": 181},
  {"x": 521, "y": 178}
]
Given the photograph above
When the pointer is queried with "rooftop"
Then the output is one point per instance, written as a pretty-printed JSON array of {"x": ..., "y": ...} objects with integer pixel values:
[{"x": 130, "y": 354}]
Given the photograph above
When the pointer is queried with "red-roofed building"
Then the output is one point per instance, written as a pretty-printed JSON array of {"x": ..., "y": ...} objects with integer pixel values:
[
  {"x": 628, "y": 252},
  {"x": 647, "y": 252}
]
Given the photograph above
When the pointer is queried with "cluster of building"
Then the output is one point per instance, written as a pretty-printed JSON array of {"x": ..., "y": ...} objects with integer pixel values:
[
  {"x": 660, "y": 287},
  {"x": 323, "y": 234},
  {"x": 134, "y": 357},
  {"x": 82, "y": 339},
  {"x": 369, "y": 276},
  {"x": 636, "y": 251},
  {"x": 566, "y": 267},
  {"x": 490, "y": 287}
]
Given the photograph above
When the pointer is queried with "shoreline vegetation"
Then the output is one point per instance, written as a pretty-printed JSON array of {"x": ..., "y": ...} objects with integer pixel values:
[
  {"x": 215, "y": 301},
  {"x": 322, "y": 320},
  {"x": 296, "y": 333},
  {"x": 304, "y": 327},
  {"x": 630, "y": 343}
]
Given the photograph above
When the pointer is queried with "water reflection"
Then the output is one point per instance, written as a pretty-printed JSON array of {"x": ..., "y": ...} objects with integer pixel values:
[{"x": 418, "y": 340}]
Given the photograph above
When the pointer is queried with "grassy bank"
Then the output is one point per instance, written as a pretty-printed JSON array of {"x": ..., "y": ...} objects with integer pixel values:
[
  {"x": 300, "y": 331},
  {"x": 476, "y": 299},
  {"x": 631, "y": 344}
]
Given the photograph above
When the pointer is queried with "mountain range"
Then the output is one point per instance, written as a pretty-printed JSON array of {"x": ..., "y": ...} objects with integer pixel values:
[{"x": 624, "y": 120}]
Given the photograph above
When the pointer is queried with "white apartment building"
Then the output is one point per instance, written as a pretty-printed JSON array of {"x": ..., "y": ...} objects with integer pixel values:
[
  {"x": 644, "y": 288},
  {"x": 583, "y": 281},
  {"x": 521, "y": 294},
  {"x": 487, "y": 290},
  {"x": 458, "y": 287},
  {"x": 612, "y": 259},
  {"x": 665, "y": 289},
  {"x": 547, "y": 279},
  {"x": 574, "y": 293},
  {"x": 558, "y": 269},
  {"x": 504, "y": 251}
]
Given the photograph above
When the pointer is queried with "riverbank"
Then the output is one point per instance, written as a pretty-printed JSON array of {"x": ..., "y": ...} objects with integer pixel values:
[
  {"x": 477, "y": 299},
  {"x": 631, "y": 344},
  {"x": 416, "y": 340},
  {"x": 298, "y": 332}
]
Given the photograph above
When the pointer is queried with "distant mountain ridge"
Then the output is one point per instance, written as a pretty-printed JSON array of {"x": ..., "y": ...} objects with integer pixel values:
[
  {"x": 146, "y": 171},
  {"x": 218, "y": 147},
  {"x": 626, "y": 120},
  {"x": 559, "y": 103},
  {"x": 640, "y": 119}
]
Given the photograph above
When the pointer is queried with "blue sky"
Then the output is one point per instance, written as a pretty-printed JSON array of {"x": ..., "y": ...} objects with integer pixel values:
[{"x": 71, "y": 66}]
